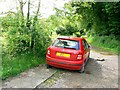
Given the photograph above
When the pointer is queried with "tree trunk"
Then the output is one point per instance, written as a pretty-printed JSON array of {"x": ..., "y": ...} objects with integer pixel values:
[
  {"x": 21, "y": 7},
  {"x": 28, "y": 16},
  {"x": 34, "y": 24},
  {"x": 28, "y": 25},
  {"x": 38, "y": 8}
]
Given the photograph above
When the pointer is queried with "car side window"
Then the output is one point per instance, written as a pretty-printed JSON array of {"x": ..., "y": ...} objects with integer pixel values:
[{"x": 85, "y": 44}]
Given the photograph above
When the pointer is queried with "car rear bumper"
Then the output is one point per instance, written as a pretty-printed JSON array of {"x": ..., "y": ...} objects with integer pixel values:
[{"x": 71, "y": 65}]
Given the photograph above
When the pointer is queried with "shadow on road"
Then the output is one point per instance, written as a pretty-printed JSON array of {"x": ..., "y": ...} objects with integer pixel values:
[
  {"x": 92, "y": 67},
  {"x": 95, "y": 76},
  {"x": 70, "y": 78}
]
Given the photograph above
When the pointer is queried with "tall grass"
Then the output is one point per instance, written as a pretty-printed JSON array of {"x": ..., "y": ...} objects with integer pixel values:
[
  {"x": 17, "y": 64},
  {"x": 108, "y": 43}
]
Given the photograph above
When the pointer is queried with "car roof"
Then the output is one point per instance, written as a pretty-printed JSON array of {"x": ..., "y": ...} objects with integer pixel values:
[{"x": 71, "y": 38}]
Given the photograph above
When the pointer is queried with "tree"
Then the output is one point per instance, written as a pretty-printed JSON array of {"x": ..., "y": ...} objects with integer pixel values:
[
  {"x": 23, "y": 32},
  {"x": 100, "y": 18}
]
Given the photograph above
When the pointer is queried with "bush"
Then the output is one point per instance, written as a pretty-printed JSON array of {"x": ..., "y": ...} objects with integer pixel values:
[
  {"x": 106, "y": 42},
  {"x": 68, "y": 30},
  {"x": 23, "y": 47},
  {"x": 21, "y": 39}
]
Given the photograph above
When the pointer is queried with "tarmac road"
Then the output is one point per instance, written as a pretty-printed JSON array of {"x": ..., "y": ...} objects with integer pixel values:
[{"x": 100, "y": 72}]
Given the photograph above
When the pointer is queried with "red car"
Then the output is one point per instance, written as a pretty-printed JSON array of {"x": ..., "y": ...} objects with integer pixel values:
[{"x": 68, "y": 53}]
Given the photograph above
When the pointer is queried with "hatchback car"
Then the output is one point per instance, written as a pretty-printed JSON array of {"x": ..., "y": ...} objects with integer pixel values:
[{"x": 68, "y": 53}]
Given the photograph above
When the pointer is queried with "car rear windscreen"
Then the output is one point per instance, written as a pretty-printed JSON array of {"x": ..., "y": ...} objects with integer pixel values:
[{"x": 63, "y": 43}]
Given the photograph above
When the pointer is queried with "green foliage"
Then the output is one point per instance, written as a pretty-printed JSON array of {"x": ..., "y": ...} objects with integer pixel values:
[
  {"x": 112, "y": 10},
  {"x": 22, "y": 39},
  {"x": 68, "y": 30},
  {"x": 99, "y": 18},
  {"x": 23, "y": 46},
  {"x": 69, "y": 21},
  {"x": 42, "y": 40},
  {"x": 106, "y": 42}
]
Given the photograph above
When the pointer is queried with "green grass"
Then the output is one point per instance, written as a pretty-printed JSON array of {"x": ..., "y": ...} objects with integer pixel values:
[
  {"x": 107, "y": 43},
  {"x": 13, "y": 66}
]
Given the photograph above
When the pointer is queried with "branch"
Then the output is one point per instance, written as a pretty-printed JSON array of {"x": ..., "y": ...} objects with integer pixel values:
[
  {"x": 2, "y": 13},
  {"x": 38, "y": 8},
  {"x": 21, "y": 6}
]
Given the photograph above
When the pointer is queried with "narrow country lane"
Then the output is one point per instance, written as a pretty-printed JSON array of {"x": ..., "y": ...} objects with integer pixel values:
[{"x": 101, "y": 72}]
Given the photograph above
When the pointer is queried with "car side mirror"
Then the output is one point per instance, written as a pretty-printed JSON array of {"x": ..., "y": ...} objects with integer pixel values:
[{"x": 89, "y": 46}]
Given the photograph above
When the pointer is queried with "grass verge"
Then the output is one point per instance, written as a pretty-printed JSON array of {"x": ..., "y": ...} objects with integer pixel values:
[
  {"x": 13, "y": 66},
  {"x": 107, "y": 43}
]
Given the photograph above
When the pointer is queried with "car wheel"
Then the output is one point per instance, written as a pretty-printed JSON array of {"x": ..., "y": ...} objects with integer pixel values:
[
  {"x": 88, "y": 58},
  {"x": 82, "y": 69},
  {"x": 48, "y": 66}
]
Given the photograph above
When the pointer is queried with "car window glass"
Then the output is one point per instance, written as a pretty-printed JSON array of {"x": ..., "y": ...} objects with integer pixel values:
[
  {"x": 85, "y": 44},
  {"x": 72, "y": 44}
]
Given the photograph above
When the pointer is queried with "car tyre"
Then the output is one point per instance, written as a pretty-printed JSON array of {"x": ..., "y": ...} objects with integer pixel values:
[
  {"x": 48, "y": 66},
  {"x": 82, "y": 69},
  {"x": 88, "y": 58}
]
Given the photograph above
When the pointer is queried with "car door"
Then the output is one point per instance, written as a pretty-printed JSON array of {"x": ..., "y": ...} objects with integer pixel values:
[{"x": 86, "y": 49}]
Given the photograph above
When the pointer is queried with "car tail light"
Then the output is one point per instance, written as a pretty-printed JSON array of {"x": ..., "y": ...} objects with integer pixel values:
[
  {"x": 48, "y": 52},
  {"x": 79, "y": 57}
]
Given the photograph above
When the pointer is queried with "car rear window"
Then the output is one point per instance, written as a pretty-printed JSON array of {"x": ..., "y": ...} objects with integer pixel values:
[{"x": 71, "y": 44}]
